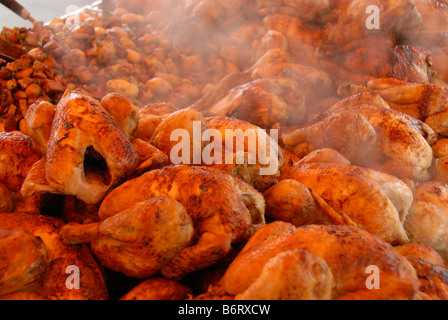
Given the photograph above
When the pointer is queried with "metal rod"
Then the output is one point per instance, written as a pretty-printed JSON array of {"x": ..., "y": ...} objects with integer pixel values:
[
  {"x": 106, "y": 6},
  {"x": 18, "y": 9}
]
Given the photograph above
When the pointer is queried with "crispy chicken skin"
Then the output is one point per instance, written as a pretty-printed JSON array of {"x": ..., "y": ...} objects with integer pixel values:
[
  {"x": 427, "y": 220},
  {"x": 374, "y": 201},
  {"x": 291, "y": 201},
  {"x": 292, "y": 275},
  {"x": 182, "y": 122},
  {"x": 17, "y": 157},
  {"x": 344, "y": 131},
  {"x": 147, "y": 124},
  {"x": 6, "y": 199},
  {"x": 423, "y": 101},
  {"x": 24, "y": 261},
  {"x": 158, "y": 288},
  {"x": 39, "y": 118},
  {"x": 263, "y": 157},
  {"x": 139, "y": 240},
  {"x": 123, "y": 111},
  {"x": 374, "y": 137},
  {"x": 433, "y": 279},
  {"x": 440, "y": 165},
  {"x": 223, "y": 208},
  {"x": 81, "y": 129},
  {"x": 59, "y": 257},
  {"x": 231, "y": 145},
  {"x": 263, "y": 102},
  {"x": 420, "y": 251},
  {"x": 348, "y": 251}
]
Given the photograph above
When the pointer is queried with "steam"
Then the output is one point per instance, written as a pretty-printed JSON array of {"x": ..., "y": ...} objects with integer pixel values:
[{"x": 274, "y": 63}]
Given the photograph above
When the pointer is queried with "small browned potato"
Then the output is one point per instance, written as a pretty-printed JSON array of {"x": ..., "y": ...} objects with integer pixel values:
[
  {"x": 291, "y": 201},
  {"x": 11, "y": 84},
  {"x": 133, "y": 56},
  {"x": 159, "y": 289},
  {"x": 159, "y": 86},
  {"x": 33, "y": 91},
  {"x": 104, "y": 51},
  {"x": 124, "y": 87},
  {"x": 23, "y": 73}
]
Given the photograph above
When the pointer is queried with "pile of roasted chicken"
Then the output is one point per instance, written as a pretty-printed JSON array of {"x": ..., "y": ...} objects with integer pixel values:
[{"x": 357, "y": 207}]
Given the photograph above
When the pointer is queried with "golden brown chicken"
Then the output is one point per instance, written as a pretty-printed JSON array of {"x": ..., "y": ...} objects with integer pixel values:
[
  {"x": 314, "y": 83},
  {"x": 292, "y": 275},
  {"x": 427, "y": 220},
  {"x": 17, "y": 156},
  {"x": 231, "y": 145},
  {"x": 125, "y": 114},
  {"x": 432, "y": 32},
  {"x": 245, "y": 150},
  {"x": 263, "y": 102},
  {"x": 182, "y": 128},
  {"x": 433, "y": 280},
  {"x": 24, "y": 261},
  {"x": 39, "y": 118},
  {"x": 158, "y": 288},
  {"x": 87, "y": 152},
  {"x": 224, "y": 209},
  {"x": 371, "y": 200},
  {"x": 440, "y": 165},
  {"x": 39, "y": 262},
  {"x": 424, "y": 102},
  {"x": 430, "y": 268},
  {"x": 139, "y": 240},
  {"x": 420, "y": 251},
  {"x": 375, "y": 137},
  {"x": 347, "y": 251}
]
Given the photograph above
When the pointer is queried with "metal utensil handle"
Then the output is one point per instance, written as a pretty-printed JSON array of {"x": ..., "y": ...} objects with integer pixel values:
[{"x": 18, "y": 9}]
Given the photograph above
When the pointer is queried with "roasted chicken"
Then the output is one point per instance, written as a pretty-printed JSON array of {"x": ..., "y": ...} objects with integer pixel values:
[
  {"x": 375, "y": 137},
  {"x": 343, "y": 253},
  {"x": 371, "y": 200},
  {"x": 88, "y": 152},
  {"x": 224, "y": 210},
  {"x": 17, "y": 157},
  {"x": 139, "y": 240},
  {"x": 37, "y": 261}
]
